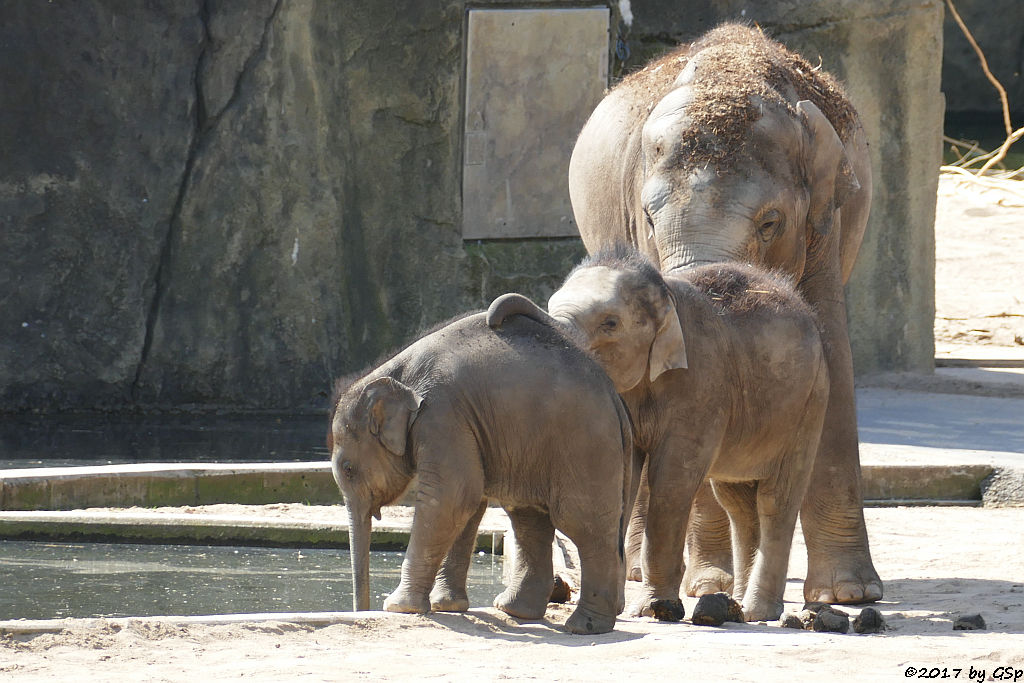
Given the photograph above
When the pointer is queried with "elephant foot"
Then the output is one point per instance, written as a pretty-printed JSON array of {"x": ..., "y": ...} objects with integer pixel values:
[
  {"x": 585, "y": 622},
  {"x": 449, "y": 601},
  {"x": 845, "y": 580},
  {"x": 516, "y": 605},
  {"x": 762, "y": 610},
  {"x": 706, "y": 579},
  {"x": 406, "y": 602}
]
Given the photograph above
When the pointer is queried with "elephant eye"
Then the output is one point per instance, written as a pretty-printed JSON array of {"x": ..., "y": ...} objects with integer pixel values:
[
  {"x": 348, "y": 470},
  {"x": 770, "y": 225},
  {"x": 609, "y": 324}
]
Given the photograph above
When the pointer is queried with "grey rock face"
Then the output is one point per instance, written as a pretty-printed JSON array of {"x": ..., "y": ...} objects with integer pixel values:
[
  {"x": 996, "y": 26},
  {"x": 228, "y": 204}
]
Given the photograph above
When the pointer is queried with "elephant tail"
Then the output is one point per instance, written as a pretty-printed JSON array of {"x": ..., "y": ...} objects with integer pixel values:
[{"x": 508, "y": 305}]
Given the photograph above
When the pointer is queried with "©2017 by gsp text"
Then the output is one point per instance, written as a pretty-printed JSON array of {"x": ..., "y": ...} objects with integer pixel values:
[{"x": 999, "y": 673}]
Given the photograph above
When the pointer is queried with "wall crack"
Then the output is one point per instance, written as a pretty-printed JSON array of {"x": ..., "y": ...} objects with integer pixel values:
[{"x": 203, "y": 125}]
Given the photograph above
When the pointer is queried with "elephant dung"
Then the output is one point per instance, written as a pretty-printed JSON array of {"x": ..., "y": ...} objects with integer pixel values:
[
  {"x": 831, "y": 620},
  {"x": 715, "y": 609},
  {"x": 794, "y": 620},
  {"x": 668, "y": 610},
  {"x": 969, "y": 622},
  {"x": 869, "y": 621},
  {"x": 561, "y": 592}
]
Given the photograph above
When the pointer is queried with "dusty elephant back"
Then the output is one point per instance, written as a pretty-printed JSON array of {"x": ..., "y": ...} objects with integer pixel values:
[
  {"x": 736, "y": 67},
  {"x": 535, "y": 403}
]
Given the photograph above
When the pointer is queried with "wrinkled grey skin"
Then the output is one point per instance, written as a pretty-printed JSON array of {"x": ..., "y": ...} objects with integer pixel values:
[
  {"x": 732, "y": 392},
  {"x": 469, "y": 413},
  {"x": 796, "y": 199}
]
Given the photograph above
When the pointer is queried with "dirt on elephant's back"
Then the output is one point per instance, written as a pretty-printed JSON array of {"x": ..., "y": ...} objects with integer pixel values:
[{"x": 739, "y": 68}]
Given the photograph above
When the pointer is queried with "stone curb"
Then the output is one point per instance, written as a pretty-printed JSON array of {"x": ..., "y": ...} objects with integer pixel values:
[
  {"x": 210, "y": 529},
  {"x": 154, "y": 485}
]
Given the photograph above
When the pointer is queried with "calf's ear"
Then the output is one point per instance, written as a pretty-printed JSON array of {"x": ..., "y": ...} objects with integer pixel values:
[
  {"x": 668, "y": 351},
  {"x": 391, "y": 409}
]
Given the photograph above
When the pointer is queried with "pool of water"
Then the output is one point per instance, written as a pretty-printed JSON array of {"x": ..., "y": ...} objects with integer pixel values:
[
  {"x": 61, "y": 441},
  {"x": 51, "y": 580}
]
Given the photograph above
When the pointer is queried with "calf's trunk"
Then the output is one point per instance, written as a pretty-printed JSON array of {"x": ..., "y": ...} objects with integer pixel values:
[{"x": 359, "y": 550}]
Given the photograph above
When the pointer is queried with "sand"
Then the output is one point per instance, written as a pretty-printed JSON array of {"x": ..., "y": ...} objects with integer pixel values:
[
  {"x": 979, "y": 254},
  {"x": 937, "y": 563}
]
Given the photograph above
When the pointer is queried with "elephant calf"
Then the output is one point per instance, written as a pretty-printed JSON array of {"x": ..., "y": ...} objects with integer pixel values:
[
  {"x": 723, "y": 371},
  {"x": 469, "y": 413}
]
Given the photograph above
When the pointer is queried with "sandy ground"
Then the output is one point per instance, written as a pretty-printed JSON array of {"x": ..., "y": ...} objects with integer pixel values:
[
  {"x": 936, "y": 563},
  {"x": 979, "y": 254}
]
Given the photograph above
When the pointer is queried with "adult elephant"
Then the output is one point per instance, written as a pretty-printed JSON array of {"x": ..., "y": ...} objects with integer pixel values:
[{"x": 736, "y": 149}]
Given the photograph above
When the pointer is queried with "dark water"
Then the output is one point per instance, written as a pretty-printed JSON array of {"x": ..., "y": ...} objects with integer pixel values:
[
  {"x": 35, "y": 441},
  {"x": 50, "y": 580}
]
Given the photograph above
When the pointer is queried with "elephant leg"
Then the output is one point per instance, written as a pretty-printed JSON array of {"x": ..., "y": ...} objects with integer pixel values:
[
  {"x": 635, "y": 531},
  {"x": 839, "y": 566},
  {"x": 708, "y": 547},
  {"x": 533, "y": 574},
  {"x": 434, "y": 530},
  {"x": 739, "y": 499},
  {"x": 672, "y": 490},
  {"x": 777, "y": 509},
  {"x": 602, "y": 571},
  {"x": 449, "y": 592}
]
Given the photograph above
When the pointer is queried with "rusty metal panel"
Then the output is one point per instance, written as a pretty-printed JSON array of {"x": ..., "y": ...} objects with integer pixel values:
[{"x": 532, "y": 78}]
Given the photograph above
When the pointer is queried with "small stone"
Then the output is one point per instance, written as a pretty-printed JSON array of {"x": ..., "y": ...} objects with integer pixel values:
[
  {"x": 969, "y": 622},
  {"x": 668, "y": 610},
  {"x": 561, "y": 592},
  {"x": 829, "y": 620},
  {"x": 791, "y": 620},
  {"x": 869, "y": 621}
]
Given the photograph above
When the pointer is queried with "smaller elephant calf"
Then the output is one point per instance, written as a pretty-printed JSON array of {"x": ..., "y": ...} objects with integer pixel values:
[
  {"x": 723, "y": 372},
  {"x": 467, "y": 413}
]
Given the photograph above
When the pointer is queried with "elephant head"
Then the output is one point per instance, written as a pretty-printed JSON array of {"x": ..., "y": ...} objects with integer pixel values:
[
  {"x": 368, "y": 442},
  {"x": 737, "y": 176},
  {"x": 626, "y": 314}
]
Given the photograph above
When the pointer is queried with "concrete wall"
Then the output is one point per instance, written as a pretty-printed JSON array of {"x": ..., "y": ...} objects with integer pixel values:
[
  {"x": 226, "y": 204},
  {"x": 998, "y": 27}
]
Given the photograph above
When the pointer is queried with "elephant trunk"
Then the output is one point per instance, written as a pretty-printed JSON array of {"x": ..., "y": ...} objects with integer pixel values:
[{"x": 359, "y": 551}]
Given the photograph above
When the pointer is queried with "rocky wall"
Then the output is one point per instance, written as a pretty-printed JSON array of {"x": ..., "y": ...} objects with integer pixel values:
[{"x": 222, "y": 204}]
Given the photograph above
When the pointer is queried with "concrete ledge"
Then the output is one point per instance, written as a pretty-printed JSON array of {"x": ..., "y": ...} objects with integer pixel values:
[
  {"x": 925, "y": 482},
  {"x": 155, "y": 485},
  {"x": 151, "y": 485},
  {"x": 89, "y": 525}
]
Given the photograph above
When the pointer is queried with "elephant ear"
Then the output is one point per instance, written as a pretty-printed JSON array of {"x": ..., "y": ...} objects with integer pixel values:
[
  {"x": 668, "y": 351},
  {"x": 391, "y": 409},
  {"x": 830, "y": 175}
]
